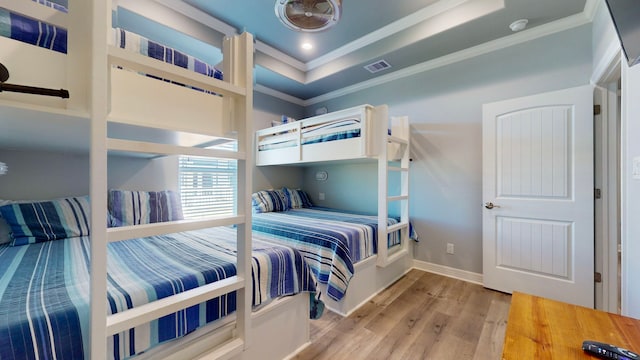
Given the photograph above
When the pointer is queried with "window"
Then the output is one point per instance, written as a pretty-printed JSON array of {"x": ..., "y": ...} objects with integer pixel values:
[{"x": 208, "y": 186}]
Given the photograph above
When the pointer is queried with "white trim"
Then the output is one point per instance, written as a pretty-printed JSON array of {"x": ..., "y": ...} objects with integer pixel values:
[
  {"x": 608, "y": 64},
  {"x": 494, "y": 45},
  {"x": 468, "y": 276},
  {"x": 488, "y": 47},
  {"x": 279, "y": 55},
  {"x": 200, "y": 16},
  {"x": 591, "y": 8},
  {"x": 386, "y": 31},
  {"x": 280, "y": 95}
]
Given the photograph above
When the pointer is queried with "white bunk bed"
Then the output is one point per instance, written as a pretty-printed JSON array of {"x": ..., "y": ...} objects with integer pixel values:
[
  {"x": 106, "y": 100},
  {"x": 357, "y": 133}
]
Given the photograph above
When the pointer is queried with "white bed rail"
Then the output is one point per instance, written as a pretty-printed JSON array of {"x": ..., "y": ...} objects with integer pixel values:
[
  {"x": 296, "y": 151},
  {"x": 107, "y": 105}
]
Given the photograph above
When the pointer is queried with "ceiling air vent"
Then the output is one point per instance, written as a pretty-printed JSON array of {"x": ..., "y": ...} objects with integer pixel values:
[{"x": 377, "y": 66}]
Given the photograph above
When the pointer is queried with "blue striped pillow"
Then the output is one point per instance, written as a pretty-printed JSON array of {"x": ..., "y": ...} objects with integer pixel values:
[
  {"x": 143, "y": 207},
  {"x": 297, "y": 198},
  {"x": 36, "y": 222},
  {"x": 269, "y": 200}
]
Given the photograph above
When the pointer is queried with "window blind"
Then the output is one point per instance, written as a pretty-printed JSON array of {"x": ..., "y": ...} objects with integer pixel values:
[{"x": 208, "y": 186}]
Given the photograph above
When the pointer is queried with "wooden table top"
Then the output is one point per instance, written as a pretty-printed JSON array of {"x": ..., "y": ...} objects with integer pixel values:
[{"x": 540, "y": 328}]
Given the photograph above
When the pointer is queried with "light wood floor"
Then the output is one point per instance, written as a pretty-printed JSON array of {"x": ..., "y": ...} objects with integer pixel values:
[{"x": 421, "y": 316}]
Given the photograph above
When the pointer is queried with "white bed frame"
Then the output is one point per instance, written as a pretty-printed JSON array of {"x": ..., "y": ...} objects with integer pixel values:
[
  {"x": 374, "y": 274},
  {"x": 103, "y": 96}
]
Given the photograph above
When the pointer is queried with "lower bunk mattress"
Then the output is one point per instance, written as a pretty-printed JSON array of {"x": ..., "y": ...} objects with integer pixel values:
[
  {"x": 331, "y": 241},
  {"x": 44, "y": 289}
]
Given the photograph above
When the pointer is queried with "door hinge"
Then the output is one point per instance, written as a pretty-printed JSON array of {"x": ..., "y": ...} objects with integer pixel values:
[
  {"x": 597, "y": 193},
  {"x": 596, "y": 110},
  {"x": 597, "y": 277}
]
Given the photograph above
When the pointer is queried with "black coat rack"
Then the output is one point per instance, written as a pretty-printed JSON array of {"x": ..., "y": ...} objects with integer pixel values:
[{"x": 4, "y": 76}]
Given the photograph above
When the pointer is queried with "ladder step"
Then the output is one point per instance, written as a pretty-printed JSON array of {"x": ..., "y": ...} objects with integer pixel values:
[
  {"x": 398, "y": 226},
  {"x": 142, "y": 314},
  {"x": 397, "y": 198},
  {"x": 395, "y": 168},
  {"x": 397, "y": 140}
]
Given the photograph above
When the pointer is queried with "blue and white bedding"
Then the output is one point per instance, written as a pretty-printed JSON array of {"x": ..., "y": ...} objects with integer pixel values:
[
  {"x": 31, "y": 31},
  {"x": 44, "y": 288},
  {"x": 331, "y": 241},
  {"x": 42, "y": 34},
  {"x": 136, "y": 43},
  {"x": 308, "y": 136}
]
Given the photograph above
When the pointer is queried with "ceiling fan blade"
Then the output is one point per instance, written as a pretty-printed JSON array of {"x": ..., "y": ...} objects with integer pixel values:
[
  {"x": 4, "y": 73},
  {"x": 309, "y": 15}
]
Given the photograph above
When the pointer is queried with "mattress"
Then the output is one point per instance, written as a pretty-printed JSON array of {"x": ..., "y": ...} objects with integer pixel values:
[
  {"x": 136, "y": 43},
  {"x": 31, "y": 31},
  {"x": 325, "y": 132},
  {"x": 42, "y": 34},
  {"x": 44, "y": 289},
  {"x": 331, "y": 241}
]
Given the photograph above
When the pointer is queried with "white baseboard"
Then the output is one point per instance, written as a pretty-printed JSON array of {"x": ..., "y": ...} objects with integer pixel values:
[{"x": 468, "y": 276}]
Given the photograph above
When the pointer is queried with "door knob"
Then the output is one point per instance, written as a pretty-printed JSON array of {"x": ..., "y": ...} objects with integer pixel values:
[{"x": 491, "y": 205}]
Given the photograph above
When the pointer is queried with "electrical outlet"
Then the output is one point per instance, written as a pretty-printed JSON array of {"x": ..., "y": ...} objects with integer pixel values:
[
  {"x": 449, "y": 248},
  {"x": 320, "y": 196}
]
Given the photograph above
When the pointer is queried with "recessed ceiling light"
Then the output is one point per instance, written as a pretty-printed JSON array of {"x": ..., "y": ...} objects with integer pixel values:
[{"x": 306, "y": 46}]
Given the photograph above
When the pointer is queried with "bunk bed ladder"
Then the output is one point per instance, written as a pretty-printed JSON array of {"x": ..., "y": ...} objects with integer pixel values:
[
  {"x": 237, "y": 90},
  {"x": 398, "y": 143}
]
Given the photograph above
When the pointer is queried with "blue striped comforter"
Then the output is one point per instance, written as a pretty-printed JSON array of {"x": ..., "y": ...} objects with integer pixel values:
[
  {"x": 42, "y": 34},
  {"x": 34, "y": 32},
  {"x": 44, "y": 289},
  {"x": 331, "y": 241}
]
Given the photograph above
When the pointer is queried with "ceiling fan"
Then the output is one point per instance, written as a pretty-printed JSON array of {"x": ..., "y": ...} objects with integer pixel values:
[{"x": 308, "y": 15}]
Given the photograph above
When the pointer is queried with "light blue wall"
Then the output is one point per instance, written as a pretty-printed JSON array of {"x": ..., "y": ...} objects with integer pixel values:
[
  {"x": 41, "y": 175},
  {"x": 444, "y": 106}
]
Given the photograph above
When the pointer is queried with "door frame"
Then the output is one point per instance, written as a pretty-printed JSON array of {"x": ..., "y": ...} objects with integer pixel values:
[
  {"x": 576, "y": 211},
  {"x": 607, "y": 229}
]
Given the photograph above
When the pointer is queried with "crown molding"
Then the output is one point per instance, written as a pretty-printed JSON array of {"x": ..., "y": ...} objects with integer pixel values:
[
  {"x": 199, "y": 16},
  {"x": 278, "y": 95},
  {"x": 591, "y": 8},
  {"x": 279, "y": 55},
  {"x": 494, "y": 45},
  {"x": 386, "y": 31}
]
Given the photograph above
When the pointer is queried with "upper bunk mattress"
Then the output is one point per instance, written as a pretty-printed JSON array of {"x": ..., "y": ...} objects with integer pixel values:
[
  {"x": 42, "y": 34},
  {"x": 31, "y": 31},
  {"x": 44, "y": 289},
  {"x": 139, "y": 44},
  {"x": 338, "y": 130}
]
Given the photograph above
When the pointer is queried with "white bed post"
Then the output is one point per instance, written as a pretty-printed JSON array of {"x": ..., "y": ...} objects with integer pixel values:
[
  {"x": 78, "y": 61},
  {"x": 398, "y": 141},
  {"x": 100, "y": 19},
  {"x": 380, "y": 117},
  {"x": 400, "y": 126},
  {"x": 238, "y": 70}
]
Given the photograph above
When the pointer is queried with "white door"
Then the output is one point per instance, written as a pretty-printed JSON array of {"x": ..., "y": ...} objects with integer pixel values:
[{"x": 538, "y": 195}]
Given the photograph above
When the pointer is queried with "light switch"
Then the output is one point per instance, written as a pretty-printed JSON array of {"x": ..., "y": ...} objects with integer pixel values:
[
  {"x": 320, "y": 196},
  {"x": 635, "y": 170}
]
